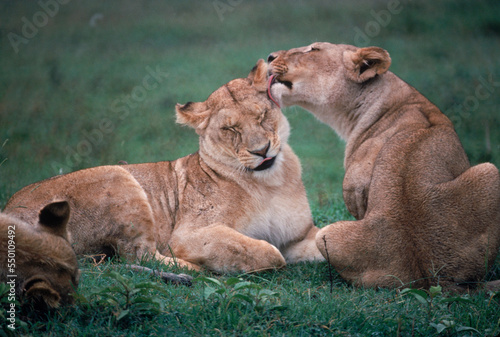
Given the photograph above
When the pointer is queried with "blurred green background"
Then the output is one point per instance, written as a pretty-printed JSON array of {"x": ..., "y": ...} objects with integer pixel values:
[{"x": 87, "y": 83}]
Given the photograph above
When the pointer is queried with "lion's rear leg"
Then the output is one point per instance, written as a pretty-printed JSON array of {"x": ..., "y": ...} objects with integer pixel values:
[
  {"x": 472, "y": 203},
  {"x": 476, "y": 190},
  {"x": 222, "y": 249},
  {"x": 136, "y": 242},
  {"x": 125, "y": 228}
]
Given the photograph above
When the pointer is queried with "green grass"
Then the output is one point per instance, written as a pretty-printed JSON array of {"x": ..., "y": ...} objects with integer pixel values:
[
  {"x": 300, "y": 304},
  {"x": 73, "y": 80}
]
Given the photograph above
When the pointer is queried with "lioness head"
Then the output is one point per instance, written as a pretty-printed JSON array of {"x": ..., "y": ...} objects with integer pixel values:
[
  {"x": 324, "y": 75},
  {"x": 238, "y": 125},
  {"x": 40, "y": 256}
]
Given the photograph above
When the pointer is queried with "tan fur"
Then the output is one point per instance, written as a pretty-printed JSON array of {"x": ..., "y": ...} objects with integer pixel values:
[
  {"x": 424, "y": 215},
  {"x": 211, "y": 209},
  {"x": 40, "y": 261}
]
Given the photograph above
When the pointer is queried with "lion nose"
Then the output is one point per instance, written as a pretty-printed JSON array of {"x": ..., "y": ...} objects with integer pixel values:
[
  {"x": 262, "y": 152},
  {"x": 271, "y": 57}
]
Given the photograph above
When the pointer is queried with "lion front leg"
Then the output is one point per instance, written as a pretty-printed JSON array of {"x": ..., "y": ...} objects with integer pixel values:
[
  {"x": 359, "y": 165},
  {"x": 355, "y": 188},
  {"x": 222, "y": 249},
  {"x": 356, "y": 200}
]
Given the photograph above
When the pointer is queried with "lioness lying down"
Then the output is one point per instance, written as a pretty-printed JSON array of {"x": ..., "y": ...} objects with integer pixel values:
[
  {"x": 36, "y": 259},
  {"x": 238, "y": 204},
  {"x": 424, "y": 215}
]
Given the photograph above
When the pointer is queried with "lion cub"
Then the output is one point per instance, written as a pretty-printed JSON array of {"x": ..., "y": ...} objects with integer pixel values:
[
  {"x": 424, "y": 215},
  {"x": 37, "y": 260},
  {"x": 238, "y": 204}
]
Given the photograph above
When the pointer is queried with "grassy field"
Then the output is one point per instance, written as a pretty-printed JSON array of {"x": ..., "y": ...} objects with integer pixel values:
[{"x": 72, "y": 96}]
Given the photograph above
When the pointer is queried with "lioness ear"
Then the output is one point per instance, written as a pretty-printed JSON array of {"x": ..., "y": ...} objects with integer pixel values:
[
  {"x": 193, "y": 114},
  {"x": 366, "y": 63},
  {"x": 54, "y": 217},
  {"x": 258, "y": 75},
  {"x": 38, "y": 291}
]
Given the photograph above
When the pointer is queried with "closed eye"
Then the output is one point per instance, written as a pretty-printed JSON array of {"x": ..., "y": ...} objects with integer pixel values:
[{"x": 230, "y": 128}]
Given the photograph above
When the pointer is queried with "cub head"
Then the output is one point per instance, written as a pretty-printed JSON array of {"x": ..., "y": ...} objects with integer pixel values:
[
  {"x": 239, "y": 126},
  {"x": 40, "y": 256},
  {"x": 323, "y": 73}
]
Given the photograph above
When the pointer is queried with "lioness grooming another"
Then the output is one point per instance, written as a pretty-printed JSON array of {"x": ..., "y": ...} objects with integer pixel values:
[
  {"x": 424, "y": 215},
  {"x": 37, "y": 258},
  {"x": 238, "y": 204}
]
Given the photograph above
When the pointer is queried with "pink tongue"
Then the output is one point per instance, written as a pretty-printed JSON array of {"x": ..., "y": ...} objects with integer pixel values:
[{"x": 269, "y": 90}]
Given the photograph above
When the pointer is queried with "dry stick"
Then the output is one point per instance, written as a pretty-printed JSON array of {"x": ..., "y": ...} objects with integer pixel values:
[
  {"x": 330, "y": 275},
  {"x": 181, "y": 279}
]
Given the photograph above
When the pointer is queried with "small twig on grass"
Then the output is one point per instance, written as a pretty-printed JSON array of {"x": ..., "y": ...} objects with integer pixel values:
[
  {"x": 181, "y": 279},
  {"x": 330, "y": 274},
  {"x": 101, "y": 257}
]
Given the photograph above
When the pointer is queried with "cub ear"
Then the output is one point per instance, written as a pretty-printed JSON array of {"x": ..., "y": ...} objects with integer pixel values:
[
  {"x": 39, "y": 292},
  {"x": 258, "y": 75},
  {"x": 366, "y": 63},
  {"x": 54, "y": 217},
  {"x": 192, "y": 114}
]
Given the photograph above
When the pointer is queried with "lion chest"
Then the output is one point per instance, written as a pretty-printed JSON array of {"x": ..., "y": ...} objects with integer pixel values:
[{"x": 277, "y": 219}]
